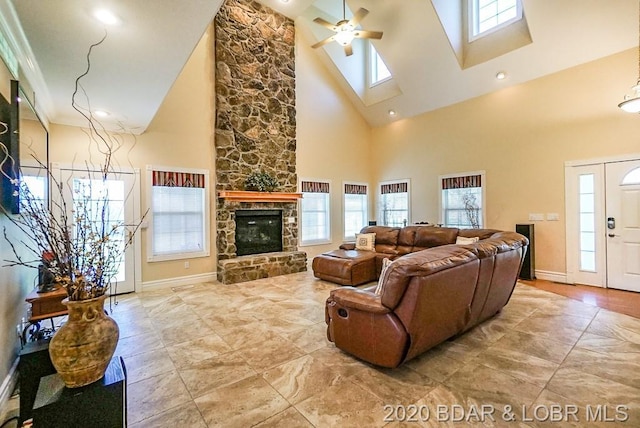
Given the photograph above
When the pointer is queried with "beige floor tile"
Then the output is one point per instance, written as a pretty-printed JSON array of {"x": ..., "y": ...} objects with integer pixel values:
[
  {"x": 309, "y": 339},
  {"x": 155, "y": 395},
  {"x": 401, "y": 385},
  {"x": 530, "y": 344},
  {"x": 185, "y": 415},
  {"x": 241, "y": 404},
  {"x": 262, "y": 355},
  {"x": 518, "y": 364},
  {"x": 289, "y": 418},
  {"x": 344, "y": 405},
  {"x": 204, "y": 376},
  {"x": 435, "y": 364},
  {"x": 562, "y": 328},
  {"x": 615, "y": 325},
  {"x": 622, "y": 367},
  {"x": 181, "y": 333},
  {"x": 493, "y": 387},
  {"x": 148, "y": 364},
  {"x": 133, "y": 345},
  {"x": 196, "y": 350},
  {"x": 301, "y": 378}
]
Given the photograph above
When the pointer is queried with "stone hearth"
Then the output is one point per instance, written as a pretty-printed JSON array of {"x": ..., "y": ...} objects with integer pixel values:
[{"x": 255, "y": 130}]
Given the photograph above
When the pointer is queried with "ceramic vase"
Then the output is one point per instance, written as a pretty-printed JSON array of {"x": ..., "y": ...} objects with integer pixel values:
[{"x": 82, "y": 348}]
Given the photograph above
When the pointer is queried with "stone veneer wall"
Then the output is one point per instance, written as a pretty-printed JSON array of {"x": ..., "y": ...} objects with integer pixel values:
[{"x": 255, "y": 123}]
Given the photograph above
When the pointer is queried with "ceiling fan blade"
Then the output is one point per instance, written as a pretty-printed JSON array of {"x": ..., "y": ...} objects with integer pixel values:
[
  {"x": 364, "y": 34},
  {"x": 325, "y": 23},
  {"x": 348, "y": 50},
  {"x": 358, "y": 16},
  {"x": 324, "y": 42}
]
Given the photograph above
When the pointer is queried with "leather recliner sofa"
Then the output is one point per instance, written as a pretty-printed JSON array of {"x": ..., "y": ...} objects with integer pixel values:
[
  {"x": 427, "y": 297},
  {"x": 349, "y": 266}
]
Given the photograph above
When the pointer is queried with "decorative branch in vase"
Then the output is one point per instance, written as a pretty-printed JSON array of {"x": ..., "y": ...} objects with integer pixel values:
[{"x": 81, "y": 248}]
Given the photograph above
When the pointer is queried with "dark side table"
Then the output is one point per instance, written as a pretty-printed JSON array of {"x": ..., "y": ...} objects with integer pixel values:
[{"x": 102, "y": 404}]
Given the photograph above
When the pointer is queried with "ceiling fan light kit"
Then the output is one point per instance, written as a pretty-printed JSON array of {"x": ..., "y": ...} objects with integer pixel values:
[
  {"x": 631, "y": 103},
  {"x": 345, "y": 30}
]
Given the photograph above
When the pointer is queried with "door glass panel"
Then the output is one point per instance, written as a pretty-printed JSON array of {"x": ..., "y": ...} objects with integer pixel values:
[
  {"x": 633, "y": 177},
  {"x": 103, "y": 203},
  {"x": 587, "y": 222}
]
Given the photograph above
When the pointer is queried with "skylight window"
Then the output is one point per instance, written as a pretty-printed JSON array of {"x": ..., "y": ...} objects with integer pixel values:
[
  {"x": 488, "y": 16},
  {"x": 377, "y": 68}
]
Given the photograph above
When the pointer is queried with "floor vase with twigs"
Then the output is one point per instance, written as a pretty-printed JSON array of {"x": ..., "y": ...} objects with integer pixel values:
[{"x": 82, "y": 348}]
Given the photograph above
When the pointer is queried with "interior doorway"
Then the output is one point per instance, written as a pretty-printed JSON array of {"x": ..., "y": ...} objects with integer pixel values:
[{"x": 603, "y": 223}]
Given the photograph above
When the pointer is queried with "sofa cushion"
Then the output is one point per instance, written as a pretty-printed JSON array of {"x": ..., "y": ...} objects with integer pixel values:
[
  {"x": 365, "y": 241},
  {"x": 385, "y": 265},
  {"x": 429, "y": 237},
  {"x": 461, "y": 240},
  {"x": 386, "y": 238}
]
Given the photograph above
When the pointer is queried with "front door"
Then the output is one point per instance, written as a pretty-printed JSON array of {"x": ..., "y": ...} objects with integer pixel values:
[
  {"x": 121, "y": 188},
  {"x": 623, "y": 224}
]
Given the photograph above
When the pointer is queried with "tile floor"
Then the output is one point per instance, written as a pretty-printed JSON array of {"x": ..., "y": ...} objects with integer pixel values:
[{"x": 256, "y": 354}]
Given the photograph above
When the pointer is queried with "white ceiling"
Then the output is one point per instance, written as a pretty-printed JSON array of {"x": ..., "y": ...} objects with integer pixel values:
[{"x": 139, "y": 61}]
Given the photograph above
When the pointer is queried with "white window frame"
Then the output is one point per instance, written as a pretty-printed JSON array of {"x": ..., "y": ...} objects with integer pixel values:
[
  {"x": 205, "y": 252},
  {"x": 372, "y": 67},
  {"x": 328, "y": 240},
  {"x": 380, "y": 210},
  {"x": 472, "y": 8},
  {"x": 344, "y": 209},
  {"x": 483, "y": 186}
]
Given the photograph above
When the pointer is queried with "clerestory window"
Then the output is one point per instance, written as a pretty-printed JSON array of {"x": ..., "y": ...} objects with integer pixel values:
[
  {"x": 490, "y": 15},
  {"x": 378, "y": 71}
]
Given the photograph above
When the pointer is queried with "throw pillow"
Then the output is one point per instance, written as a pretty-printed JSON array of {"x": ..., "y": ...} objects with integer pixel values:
[
  {"x": 385, "y": 265},
  {"x": 366, "y": 241},
  {"x": 461, "y": 240}
]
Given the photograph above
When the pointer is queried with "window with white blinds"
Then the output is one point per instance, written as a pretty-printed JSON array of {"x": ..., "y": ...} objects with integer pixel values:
[
  {"x": 315, "y": 224},
  {"x": 394, "y": 203},
  {"x": 462, "y": 200},
  {"x": 356, "y": 204},
  {"x": 179, "y": 211}
]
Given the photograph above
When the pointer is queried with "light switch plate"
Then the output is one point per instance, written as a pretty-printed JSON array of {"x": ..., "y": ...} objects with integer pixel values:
[
  {"x": 536, "y": 217},
  {"x": 553, "y": 216}
]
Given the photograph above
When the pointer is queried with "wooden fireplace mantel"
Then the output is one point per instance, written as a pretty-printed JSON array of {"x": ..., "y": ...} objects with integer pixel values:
[{"x": 246, "y": 196}]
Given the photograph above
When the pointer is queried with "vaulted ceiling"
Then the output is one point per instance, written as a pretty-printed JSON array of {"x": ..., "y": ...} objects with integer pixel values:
[{"x": 142, "y": 56}]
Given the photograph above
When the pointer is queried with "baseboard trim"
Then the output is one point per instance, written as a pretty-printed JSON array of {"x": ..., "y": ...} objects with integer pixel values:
[
  {"x": 8, "y": 385},
  {"x": 552, "y": 276},
  {"x": 180, "y": 281}
]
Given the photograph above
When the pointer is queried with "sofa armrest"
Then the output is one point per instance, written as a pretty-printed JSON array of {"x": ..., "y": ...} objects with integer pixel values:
[
  {"x": 354, "y": 298},
  {"x": 348, "y": 246}
]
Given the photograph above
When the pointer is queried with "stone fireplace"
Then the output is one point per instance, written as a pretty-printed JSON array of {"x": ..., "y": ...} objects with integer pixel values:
[{"x": 255, "y": 131}]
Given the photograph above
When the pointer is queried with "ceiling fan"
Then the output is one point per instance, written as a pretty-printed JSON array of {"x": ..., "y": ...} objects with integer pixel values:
[{"x": 345, "y": 31}]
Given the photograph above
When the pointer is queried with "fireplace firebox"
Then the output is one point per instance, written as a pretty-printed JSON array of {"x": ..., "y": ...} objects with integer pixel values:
[{"x": 258, "y": 231}]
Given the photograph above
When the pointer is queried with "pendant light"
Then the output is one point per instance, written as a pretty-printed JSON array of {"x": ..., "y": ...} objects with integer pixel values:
[{"x": 631, "y": 103}]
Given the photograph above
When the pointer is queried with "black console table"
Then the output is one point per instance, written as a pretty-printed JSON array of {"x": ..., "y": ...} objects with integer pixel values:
[{"x": 102, "y": 404}]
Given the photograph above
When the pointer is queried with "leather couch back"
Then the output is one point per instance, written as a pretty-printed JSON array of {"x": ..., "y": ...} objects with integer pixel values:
[{"x": 386, "y": 238}]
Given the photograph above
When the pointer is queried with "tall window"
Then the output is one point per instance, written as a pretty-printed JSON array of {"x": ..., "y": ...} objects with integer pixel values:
[
  {"x": 378, "y": 70},
  {"x": 586, "y": 189},
  {"x": 462, "y": 200},
  {"x": 315, "y": 213},
  {"x": 394, "y": 203},
  {"x": 179, "y": 214},
  {"x": 490, "y": 15},
  {"x": 355, "y": 209}
]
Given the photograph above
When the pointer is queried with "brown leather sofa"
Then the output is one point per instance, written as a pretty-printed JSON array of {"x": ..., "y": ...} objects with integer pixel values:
[
  {"x": 428, "y": 296},
  {"x": 348, "y": 266}
]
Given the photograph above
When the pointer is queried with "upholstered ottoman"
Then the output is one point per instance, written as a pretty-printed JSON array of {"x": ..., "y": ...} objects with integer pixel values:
[{"x": 346, "y": 267}]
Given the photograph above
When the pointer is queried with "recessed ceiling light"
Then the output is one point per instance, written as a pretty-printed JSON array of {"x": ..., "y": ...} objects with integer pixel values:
[
  {"x": 501, "y": 75},
  {"x": 392, "y": 113},
  {"x": 106, "y": 17},
  {"x": 284, "y": 1},
  {"x": 101, "y": 113}
]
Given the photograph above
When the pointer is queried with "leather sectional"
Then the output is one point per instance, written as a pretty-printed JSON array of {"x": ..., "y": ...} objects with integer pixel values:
[{"x": 428, "y": 295}]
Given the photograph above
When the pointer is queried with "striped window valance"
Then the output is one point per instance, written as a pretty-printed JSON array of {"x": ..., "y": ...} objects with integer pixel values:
[
  {"x": 178, "y": 179},
  {"x": 462, "y": 182},
  {"x": 394, "y": 188},
  {"x": 355, "y": 189},
  {"x": 314, "y": 186}
]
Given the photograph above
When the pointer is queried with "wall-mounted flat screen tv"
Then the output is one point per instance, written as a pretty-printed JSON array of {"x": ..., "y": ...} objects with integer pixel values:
[{"x": 10, "y": 150}]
